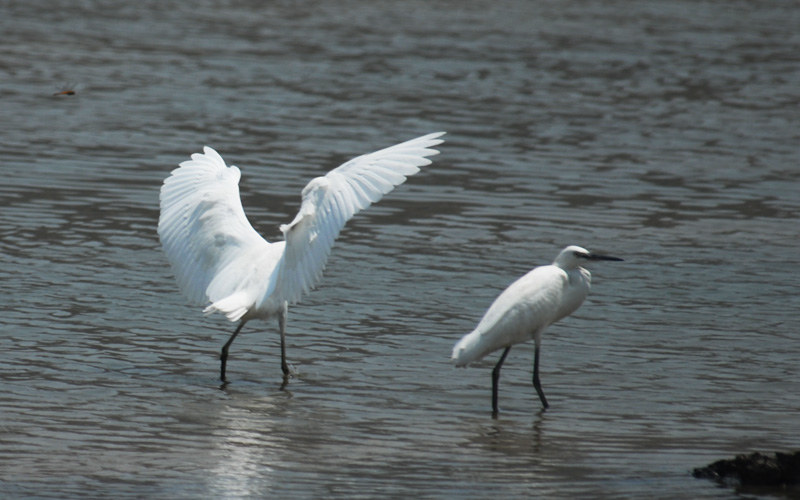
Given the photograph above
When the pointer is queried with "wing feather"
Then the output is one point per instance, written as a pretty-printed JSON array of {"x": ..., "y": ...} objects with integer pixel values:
[
  {"x": 329, "y": 202},
  {"x": 203, "y": 227}
]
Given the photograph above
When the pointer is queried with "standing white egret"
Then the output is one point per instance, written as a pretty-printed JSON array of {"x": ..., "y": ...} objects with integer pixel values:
[
  {"x": 524, "y": 309},
  {"x": 220, "y": 260}
]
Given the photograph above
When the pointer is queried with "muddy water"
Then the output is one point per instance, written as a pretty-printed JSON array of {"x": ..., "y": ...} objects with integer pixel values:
[{"x": 665, "y": 133}]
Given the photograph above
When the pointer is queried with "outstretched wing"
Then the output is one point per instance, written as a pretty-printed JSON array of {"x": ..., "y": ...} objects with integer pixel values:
[
  {"x": 330, "y": 201},
  {"x": 203, "y": 227}
]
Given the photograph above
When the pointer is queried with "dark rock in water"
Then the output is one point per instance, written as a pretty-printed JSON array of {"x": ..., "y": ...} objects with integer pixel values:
[{"x": 755, "y": 469}]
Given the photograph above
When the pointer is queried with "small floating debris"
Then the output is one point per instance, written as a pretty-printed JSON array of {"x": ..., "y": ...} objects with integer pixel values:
[
  {"x": 68, "y": 89},
  {"x": 755, "y": 469}
]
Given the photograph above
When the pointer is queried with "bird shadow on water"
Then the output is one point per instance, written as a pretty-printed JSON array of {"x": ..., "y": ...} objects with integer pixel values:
[
  {"x": 271, "y": 389},
  {"x": 224, "y": 386},
  {"x": 511, "y": 435},
  {"x": 229, "y": 387}
]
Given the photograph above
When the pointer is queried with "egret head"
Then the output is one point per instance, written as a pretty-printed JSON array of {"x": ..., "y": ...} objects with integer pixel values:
[{"x": 573, "y": 256}]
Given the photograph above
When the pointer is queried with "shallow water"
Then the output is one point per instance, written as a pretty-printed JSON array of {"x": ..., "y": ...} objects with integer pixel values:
[{"x": 664, "y": 133}]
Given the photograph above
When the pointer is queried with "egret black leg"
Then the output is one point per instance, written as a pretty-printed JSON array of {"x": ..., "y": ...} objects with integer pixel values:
[
  {"x": 496, "y": 379},
  {"x": 223, "y": 357},
  {"x": 282, "y": 324},
  {"x": 536, "y": 383}
]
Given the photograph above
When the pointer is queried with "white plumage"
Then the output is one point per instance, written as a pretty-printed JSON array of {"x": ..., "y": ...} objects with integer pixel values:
[
  {"x": 524, "y": 309},
  {"x": 220, "y": 261}
]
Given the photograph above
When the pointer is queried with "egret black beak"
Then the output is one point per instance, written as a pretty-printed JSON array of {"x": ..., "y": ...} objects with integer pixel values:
[{"x": 594, "y": 256}]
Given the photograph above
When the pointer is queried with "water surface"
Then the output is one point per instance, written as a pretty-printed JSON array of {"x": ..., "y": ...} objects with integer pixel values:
[{"x": 664, "y": 133}]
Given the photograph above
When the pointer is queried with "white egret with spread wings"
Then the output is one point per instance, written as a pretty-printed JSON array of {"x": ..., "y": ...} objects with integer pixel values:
[{"x": 221, "y": 262}]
